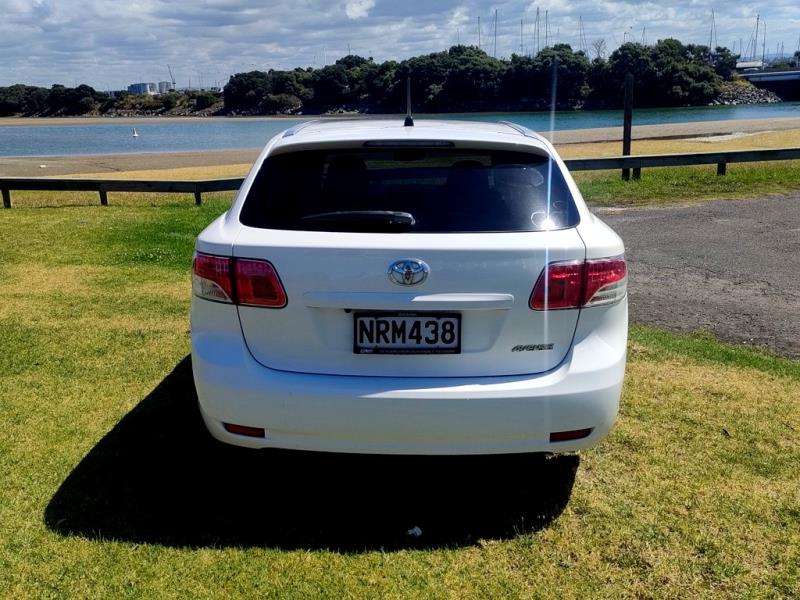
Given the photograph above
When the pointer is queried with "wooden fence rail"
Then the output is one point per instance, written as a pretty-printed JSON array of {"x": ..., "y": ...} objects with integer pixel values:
[
  {"x": 721, "y": 159},
  {"x": 103, "y": 186},
  {"x": 199, "y": 187}
]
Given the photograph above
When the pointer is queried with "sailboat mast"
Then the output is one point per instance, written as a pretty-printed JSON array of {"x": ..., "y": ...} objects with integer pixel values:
[
  {"x": 546, "y": 30},
  {"x": 711, "y": 34},
  {"x": 755, "y": 41},
  {"x": 495, "y": 33}
]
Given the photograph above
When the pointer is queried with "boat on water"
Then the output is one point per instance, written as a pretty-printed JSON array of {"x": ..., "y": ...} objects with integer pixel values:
[{"x": 135, "y": 133}]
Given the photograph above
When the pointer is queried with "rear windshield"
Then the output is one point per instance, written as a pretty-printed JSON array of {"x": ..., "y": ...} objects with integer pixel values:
[{"x": 417, "y": 190}]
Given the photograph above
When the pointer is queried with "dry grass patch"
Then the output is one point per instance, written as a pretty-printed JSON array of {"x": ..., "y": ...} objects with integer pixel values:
[
  {"x": 207, "y": 172},
  {"x": 757, "y": 141}
]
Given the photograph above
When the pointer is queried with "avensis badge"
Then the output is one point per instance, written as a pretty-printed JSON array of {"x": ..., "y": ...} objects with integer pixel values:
[{"x": 409, "y": 271}]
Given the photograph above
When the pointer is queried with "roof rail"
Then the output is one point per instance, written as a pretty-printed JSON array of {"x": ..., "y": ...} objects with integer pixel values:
[{"x": 293, "y": 130}]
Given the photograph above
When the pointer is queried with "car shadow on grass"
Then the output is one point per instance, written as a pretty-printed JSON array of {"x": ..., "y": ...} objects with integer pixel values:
[{"x": 158, "y": 477}]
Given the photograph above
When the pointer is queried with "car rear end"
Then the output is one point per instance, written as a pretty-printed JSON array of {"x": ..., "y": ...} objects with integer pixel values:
[{"x": 437, "y": 289}]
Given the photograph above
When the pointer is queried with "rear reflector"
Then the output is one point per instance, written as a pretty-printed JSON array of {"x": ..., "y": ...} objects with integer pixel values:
[
  {"x": 565, "y": 436},
  {"x": 575, "y": 284},
  {"x": 242, "y": 281},
  {"x": 244, "y": 430}
]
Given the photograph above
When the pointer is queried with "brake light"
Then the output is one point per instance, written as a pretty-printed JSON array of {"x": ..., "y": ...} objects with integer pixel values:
[
  {"x": 257, "y": 284},
  {"x": 559, "y": 286},
  {"x": 241, "y": 281},
  {"x": 576, "y": 284}
]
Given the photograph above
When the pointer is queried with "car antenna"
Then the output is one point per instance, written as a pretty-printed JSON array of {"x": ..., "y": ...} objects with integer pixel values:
[{"x": 409, "y": 122}]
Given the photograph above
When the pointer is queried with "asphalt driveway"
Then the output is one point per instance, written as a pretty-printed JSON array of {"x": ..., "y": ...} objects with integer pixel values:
[{"x": 728, "y": 267}]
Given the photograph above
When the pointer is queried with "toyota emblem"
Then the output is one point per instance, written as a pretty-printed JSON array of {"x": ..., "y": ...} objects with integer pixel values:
[{"x": 409, "y": 271}]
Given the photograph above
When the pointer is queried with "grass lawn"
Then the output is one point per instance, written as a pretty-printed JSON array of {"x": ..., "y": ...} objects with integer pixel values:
[
  {"x": 684, "y": 185},
  {"x": 111, "y": 488}
]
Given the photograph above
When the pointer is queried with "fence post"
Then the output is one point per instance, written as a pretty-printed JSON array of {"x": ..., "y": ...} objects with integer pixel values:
[
  {"x": 6, "y": 198},
  {"x": 103, "y": 197},
  {"x": 722, "y": 168},
  {"x": 197, "y": 199},
  {"x": 627, "y": 123}
]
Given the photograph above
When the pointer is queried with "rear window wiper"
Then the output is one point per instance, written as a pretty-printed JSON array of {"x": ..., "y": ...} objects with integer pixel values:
[{"x": 390, "y": 218}]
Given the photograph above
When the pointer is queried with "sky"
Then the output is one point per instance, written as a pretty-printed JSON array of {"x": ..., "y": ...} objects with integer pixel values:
[{"x": 109, "y": 44}]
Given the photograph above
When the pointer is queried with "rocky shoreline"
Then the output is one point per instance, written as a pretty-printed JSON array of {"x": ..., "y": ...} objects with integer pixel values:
[{"x": 741, "y": 92}]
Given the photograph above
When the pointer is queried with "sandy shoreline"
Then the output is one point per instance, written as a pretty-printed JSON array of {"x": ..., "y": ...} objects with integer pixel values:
[{"x": 29, "y": 166}]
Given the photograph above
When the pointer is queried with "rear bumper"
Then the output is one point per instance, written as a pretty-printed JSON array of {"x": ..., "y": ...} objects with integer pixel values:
[{"x": 410, "y": 415}]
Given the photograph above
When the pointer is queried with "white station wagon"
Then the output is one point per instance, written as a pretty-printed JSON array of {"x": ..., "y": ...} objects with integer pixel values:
[{"x": 439, "y": 288}]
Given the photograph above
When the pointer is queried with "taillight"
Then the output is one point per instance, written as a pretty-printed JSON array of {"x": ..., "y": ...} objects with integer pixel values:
[
  {"x": 580, "y": 283},
  {"x": 237, "y": 280},
  {"x": 257, "y": 284},
  {"x": 606, "y": 281},
  {"x": 560, "y": 286},
  {"x": 211, "y": 277}
]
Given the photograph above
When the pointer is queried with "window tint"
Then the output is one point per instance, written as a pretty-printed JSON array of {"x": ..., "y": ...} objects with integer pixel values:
[{"x": 443, "y": 190}]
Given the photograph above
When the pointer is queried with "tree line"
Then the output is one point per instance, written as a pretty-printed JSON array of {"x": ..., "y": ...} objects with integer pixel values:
[
  {"x": 463, "y": 78},
  {"x": 59, "y": 100}
]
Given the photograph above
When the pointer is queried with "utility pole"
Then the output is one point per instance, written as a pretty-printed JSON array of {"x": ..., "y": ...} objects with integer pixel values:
[
  {"x": 521, "y": 40},
  {"x": 479, "y": 33}
]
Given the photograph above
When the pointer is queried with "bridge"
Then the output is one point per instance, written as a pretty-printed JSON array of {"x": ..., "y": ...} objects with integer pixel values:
[{"x": 784, "y": 83}]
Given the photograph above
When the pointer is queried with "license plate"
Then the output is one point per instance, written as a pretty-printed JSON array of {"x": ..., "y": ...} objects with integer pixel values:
[{"x": 406, "y": 333}]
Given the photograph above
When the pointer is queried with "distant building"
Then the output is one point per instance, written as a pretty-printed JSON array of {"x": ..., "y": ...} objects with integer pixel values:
[
  {"x": 165, "y": 86},
  {"x": 150, "y": 89},
  {"x": 745, "y": 65}
]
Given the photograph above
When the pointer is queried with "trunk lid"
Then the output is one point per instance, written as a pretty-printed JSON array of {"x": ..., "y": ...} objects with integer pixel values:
[{"x": 486, "y": 278}]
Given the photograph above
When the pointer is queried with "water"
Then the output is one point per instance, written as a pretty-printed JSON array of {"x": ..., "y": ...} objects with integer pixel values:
[{"x": 221, "y": 133}]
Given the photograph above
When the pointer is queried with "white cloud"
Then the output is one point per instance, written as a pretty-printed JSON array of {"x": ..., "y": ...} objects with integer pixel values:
[
  {"x": 358, "y": 9},
  {"x": 109, "y": 44}
]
